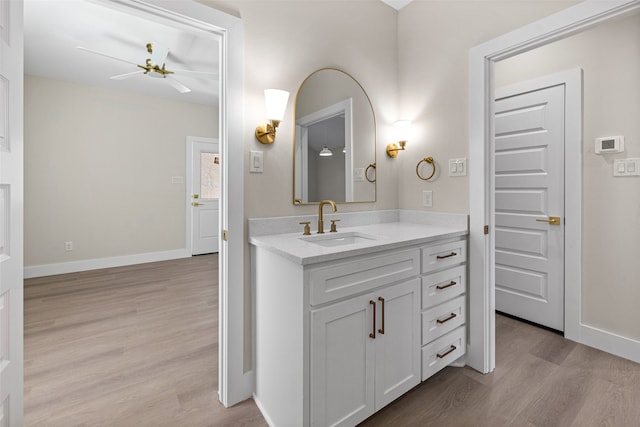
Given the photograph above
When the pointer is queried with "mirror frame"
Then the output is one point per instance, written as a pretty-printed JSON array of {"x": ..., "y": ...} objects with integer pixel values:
[{"x": 295, "y": 139}]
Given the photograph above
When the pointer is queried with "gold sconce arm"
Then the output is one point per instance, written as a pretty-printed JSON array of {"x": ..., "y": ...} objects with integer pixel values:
[
  {"x": 266, "y": 133},
  {"x": 392, "y": 149},
  {"x": 431, "y": 162}
]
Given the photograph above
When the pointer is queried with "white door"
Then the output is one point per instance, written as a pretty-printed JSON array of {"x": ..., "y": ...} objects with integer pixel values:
[
  {"x": 398, "y": 343},
  {"x": 204, "y": 195},
  {"x": 529, "y": 205},
  {"x": 11, "y": 212}
]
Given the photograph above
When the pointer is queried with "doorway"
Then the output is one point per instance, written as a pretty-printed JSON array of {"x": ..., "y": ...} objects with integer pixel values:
[{"x": 483, "y": 58}]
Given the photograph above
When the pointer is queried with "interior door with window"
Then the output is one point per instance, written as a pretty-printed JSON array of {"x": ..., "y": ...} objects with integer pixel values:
[
  {"x": 205, "y": 195},
  {"x": 529, "y": 204},
  {"x": 11, "y": 213}
]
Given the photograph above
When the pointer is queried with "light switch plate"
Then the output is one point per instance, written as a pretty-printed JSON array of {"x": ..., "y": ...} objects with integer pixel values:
[
  {"x": 256, "y": 164},
  {"x": 458, "y": 167},
  {"x": 626, "y": 167}
]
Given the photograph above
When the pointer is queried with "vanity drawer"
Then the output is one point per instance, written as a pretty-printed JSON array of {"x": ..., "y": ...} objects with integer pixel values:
[
  {"x": 443, "y": 351},
  {"x": 437, "y": 257},
  {"x": 443, "y": 318},
  {"x": 443, "y": 285},
  {"x": 340, "y": 280}
]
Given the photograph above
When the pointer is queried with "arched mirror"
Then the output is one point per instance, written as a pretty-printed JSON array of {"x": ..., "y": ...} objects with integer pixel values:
[{"x": 335, "y": 140}]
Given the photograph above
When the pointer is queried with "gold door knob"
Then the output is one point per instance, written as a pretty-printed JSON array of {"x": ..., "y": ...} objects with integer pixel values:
[
  {"x": 195, "y": 204},
  {"x": 553, "y": 220}
]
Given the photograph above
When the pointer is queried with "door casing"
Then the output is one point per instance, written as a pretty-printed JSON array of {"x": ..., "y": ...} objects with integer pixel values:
[{"x": 482, "y": 58}]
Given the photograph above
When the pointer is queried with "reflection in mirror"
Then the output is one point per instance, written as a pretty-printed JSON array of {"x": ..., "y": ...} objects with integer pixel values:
[{"x": 335, "y": 140}]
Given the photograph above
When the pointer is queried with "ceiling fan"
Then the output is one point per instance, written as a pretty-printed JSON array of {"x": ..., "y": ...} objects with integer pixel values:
[{"x": 154, "y": 67}]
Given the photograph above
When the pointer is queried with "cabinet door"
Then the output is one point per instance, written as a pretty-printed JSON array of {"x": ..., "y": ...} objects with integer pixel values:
[
  {"x": 342, "y": 362},
  {"x": 398, "y": 348}
]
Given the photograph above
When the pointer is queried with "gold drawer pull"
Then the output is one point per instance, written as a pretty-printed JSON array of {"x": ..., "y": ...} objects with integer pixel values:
[
  {"x": 373, "y": 334},
  {"x": 452, "y": 348},
  {"x": 446, "y": 256},
  {"x": 440, "y": 287},
  {"x": 382, "y": 329},
  {"x": 453, "y": 315}
]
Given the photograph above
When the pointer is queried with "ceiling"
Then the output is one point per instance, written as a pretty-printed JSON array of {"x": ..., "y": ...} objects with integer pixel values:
[{"x": 55, "y": 28}]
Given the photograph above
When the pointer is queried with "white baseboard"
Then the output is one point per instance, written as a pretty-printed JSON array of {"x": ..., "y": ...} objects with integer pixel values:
[
  {"x": 265, "y": 415},
  {"x": 97, "y": 263},
  {"x": 610, "y": 342}
]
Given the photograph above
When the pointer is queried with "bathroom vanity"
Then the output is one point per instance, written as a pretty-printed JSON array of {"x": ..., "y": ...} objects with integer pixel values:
[{"x": 347, "y": 322}]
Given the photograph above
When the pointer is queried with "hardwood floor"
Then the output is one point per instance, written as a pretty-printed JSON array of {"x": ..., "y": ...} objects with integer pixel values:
[
  {"x": 137, "y": 346},
  {"x": 129, "y": 346}
]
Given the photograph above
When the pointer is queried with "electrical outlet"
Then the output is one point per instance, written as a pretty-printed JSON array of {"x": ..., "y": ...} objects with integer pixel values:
[
  {"x": 427, "y": 199},
  {"x": 68, "y": 246}
]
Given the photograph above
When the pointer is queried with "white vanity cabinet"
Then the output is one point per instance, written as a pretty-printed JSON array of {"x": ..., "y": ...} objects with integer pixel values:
[
  {"x": 339, "y": 337},
  {"x": 364, "y": 353}
]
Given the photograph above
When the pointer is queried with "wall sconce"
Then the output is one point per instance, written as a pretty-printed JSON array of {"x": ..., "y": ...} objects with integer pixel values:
[
  {"x": 402, "y": 129},
  {"x": 276, "y": 102}
]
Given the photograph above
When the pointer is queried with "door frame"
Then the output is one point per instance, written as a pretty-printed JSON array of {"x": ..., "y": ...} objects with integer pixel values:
[
  {"x": 572, "y": 169},
  {"x": 234, "y": 384},
  {"x": 191, "y": 140},
  {"x": 482, "y": 59}
]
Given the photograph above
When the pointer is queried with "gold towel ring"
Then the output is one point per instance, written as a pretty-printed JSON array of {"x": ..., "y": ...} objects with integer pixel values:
[
  {"x": 366, "y": 172},
  {"x": 431, "y": 162}
]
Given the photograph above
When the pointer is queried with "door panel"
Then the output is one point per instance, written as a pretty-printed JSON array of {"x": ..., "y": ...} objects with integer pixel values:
[
  {"x": 342, "y": 363},
  {"x": 398, "y": 348},
  {"x": 529, "y": 187},
  {"x": 205, "y": 195},
  {"x": 11, "y": 213}
]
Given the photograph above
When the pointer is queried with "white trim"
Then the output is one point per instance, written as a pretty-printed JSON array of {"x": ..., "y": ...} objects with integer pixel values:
[
  {"x": 610, "y": 342},
  {"x": 481, "y": 349},
  {"x": 98, "y": 263}
]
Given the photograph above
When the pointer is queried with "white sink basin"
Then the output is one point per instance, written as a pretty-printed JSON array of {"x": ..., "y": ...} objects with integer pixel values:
[{"x": 338, "y": 239}]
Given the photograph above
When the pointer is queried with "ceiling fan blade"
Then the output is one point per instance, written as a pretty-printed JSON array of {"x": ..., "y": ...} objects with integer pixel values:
[
  {"x": 201, "y": 73},
  {"x": 177, "y": 85},
  {"x": 126, "y": 75},
  {"x": 106, "y": 55}
]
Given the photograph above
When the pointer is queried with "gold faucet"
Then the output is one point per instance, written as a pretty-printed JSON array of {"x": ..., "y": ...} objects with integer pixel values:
[{"x": 320, "y": 220}]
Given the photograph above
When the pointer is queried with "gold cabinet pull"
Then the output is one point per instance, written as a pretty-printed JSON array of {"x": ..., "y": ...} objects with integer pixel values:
[
  {"x": 452, "y": 348},
  {"x": 441, "y": 287},
  {"x": 452, "y": 316},
  {"x": 381, "y": 330},
  {"x": 553, "y": 220},
  {"x": 373, "y": 333},
  {"x": 446, "y": 256}
]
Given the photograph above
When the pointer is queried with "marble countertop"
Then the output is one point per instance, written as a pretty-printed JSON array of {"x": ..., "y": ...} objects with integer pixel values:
[{"x": 389, "y": 235}]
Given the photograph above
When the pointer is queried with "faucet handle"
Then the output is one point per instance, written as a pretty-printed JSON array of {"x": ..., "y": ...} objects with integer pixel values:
[
  {"x": 307, "y": 228},
  {"x": 333, "y": 225}
]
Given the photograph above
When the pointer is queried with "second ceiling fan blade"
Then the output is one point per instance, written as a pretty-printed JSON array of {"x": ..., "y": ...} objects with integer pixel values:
[
  {"x": 126, "y": 75},
  {"x": 106, "y": 55},
  {"x": 177, "y": 85}
]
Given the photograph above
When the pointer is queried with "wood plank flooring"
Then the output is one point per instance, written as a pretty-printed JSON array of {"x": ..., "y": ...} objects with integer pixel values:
[{"x": 137, "y": 346}]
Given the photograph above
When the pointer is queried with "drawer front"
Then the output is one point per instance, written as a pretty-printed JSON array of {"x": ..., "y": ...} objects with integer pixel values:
[
  {"x": 437, "y": 257},
  {"x": 443, "y": 318},
  {"x": 341, "y": 280},
  {"x": 443, "y": 285},
  {"x": 443, "y": 351}
]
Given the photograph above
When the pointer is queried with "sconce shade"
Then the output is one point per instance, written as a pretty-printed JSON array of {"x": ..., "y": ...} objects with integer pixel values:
[
  {"x": 402, "y": 129},
  {"x": 276, "y": 102}
]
